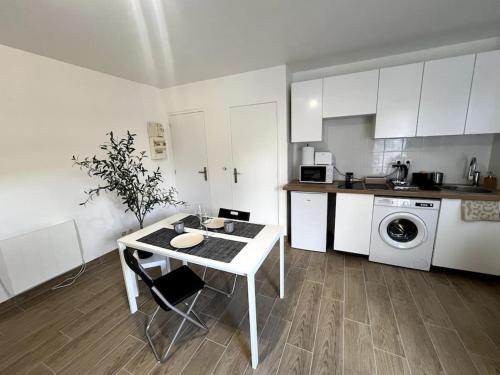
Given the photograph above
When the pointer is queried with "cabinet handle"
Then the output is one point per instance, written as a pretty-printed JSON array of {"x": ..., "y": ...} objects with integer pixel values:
[
  {"x": 204, "y": 173},
  {"x": 236, "y": 173}
]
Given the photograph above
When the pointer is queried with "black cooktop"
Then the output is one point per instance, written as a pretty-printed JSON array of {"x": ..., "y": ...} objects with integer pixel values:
[
  {"x": 376, "y": 187},
  {"x": 362, "y": 186}
]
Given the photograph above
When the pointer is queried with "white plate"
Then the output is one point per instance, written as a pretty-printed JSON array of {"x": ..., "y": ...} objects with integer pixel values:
[
  {"x": 186, "y": 240},
  {"x": 216, "y": 223}
]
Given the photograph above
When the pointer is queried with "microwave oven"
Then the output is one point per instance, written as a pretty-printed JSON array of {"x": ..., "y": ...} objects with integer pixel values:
[{"x": 318, "y": 174}]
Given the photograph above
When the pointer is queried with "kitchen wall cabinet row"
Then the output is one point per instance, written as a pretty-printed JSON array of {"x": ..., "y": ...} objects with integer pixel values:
[{"x": 451, "y": 96}]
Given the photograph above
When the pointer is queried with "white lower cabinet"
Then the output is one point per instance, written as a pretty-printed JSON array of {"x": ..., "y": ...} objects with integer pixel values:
[
  {"x": 309, "y": 218},
  {"x": 469, "y": 246},
  {"x": 353, "y": 222}
]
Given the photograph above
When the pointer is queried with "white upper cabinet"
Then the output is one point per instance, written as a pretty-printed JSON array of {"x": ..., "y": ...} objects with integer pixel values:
[
  {"x": 307, "y": 112},
  {"x": 350, "y": 94},
  {"x": 445, "y": 96},
  {"x": 398, "y": 101},
  {"x": 484, "y": 105}
]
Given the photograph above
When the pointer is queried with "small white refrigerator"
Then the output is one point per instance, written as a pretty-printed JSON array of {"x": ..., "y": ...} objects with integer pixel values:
[{"x": 309, "y": 213}]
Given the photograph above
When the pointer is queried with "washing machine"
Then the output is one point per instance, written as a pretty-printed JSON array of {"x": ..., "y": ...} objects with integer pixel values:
[{"x": 403, "y": 231}]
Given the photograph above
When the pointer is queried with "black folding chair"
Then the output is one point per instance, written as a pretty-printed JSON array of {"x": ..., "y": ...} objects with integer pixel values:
[
  {"x": 168, "y": 291},
  {"x": 236, "y": 215}
]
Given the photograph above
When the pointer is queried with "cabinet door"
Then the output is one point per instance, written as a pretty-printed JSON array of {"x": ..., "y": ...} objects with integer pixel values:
[
  {"x": 307, "y": 111},
  {"x": 254, "y": 142},
  {"x": 350, "y": 94},
  {"x": 353, "y": 223},
  {"x": 398, "y": 101},
  {"x": 445, "y": 96},
  {"x": 469, "y": 246},
  {"x": 484, "y": 107},
  {"x": 309, "y": 217}
]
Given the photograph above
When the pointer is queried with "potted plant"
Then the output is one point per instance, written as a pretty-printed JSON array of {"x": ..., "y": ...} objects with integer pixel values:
[{"x": 123, "y": 172}]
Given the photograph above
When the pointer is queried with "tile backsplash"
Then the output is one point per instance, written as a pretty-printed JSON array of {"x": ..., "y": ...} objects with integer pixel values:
[{"x": 354, "y": 150}]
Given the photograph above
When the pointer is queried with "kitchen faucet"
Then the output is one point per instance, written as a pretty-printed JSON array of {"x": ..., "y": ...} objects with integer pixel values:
[{"x": 472, "y": 170}]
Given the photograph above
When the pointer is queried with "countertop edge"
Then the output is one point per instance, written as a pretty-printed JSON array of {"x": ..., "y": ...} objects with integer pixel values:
[{"x": 333, "y": 188}]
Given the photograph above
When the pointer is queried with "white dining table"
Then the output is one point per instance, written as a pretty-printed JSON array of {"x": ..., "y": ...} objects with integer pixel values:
[{"x": 246, "y": 263}]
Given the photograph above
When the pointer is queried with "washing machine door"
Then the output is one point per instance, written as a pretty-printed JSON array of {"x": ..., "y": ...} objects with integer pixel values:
[{"x": 403, "y": 230}]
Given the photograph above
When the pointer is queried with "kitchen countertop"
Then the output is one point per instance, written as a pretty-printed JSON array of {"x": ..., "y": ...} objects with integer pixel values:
[{"x": 295, "y": 185}]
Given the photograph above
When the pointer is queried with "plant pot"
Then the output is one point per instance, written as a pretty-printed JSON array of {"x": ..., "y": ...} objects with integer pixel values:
[{"x": 144, "y": 254}]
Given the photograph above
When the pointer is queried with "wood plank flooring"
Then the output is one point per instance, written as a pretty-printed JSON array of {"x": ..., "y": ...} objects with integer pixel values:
[{"x": 341, "y": 315}]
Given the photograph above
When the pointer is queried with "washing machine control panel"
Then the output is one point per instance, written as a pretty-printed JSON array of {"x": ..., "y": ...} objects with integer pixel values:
[
  {"x": 424, "y": 204},
  {"x": 430, "y": 204}
]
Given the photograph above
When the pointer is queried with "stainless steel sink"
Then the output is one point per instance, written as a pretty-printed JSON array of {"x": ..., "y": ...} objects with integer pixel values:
[{"x": 466, "y": 188}]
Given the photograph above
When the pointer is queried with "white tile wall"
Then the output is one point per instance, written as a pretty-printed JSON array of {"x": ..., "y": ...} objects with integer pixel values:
[{"x": 354, "y": 150}]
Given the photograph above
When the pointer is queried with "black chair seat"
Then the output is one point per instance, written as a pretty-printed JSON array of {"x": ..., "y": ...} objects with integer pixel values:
[{"x": 177, "y": 285}]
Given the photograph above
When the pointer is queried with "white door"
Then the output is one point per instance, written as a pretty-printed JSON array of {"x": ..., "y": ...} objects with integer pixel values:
[
  {"x": 255, "y": 161},
  {"x": 190, "y": 157},
  {"x": 445, "y": 96}
]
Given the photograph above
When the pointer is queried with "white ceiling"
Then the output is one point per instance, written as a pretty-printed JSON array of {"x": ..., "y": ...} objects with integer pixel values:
[{"x": 169, "y": 42}]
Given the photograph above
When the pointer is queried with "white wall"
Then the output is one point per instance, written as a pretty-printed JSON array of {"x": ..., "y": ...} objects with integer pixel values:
[
  {"x": 215, "y": 97},
  {"x": 49, "y": 111},
  {"x": 354, "y": 149}
]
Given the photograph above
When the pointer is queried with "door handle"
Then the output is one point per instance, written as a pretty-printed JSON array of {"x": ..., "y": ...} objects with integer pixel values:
[
  {"x": 204, "y": 172},
  {"x": 236, "y": 173}
]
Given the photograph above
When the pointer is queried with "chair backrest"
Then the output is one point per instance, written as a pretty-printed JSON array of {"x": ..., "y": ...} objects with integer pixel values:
[
  {"x": 234, "y": 214},
  {"x": 135, "y": 266}
]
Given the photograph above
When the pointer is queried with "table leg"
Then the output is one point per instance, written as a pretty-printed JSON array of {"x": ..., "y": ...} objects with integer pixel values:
[
  {"x": 165, "y": 266},
  {"x": 282, "y": 266},
  {"x": 252, "y": 315},
  {"x": 168, "y": 265},
  {"x": 130, "y": 280}
]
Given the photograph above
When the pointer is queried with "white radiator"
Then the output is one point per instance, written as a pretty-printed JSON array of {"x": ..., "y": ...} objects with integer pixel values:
[{"x": 32, "y": 258}]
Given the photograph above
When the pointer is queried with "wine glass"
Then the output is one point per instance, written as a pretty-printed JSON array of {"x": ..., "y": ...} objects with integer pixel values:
[
  {"x": 205, "y": 220},
  {"x": 198, "y": 211}
]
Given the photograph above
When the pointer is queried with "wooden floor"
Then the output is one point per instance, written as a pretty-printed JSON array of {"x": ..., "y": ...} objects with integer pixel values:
[{"x": 341, "y": 315}]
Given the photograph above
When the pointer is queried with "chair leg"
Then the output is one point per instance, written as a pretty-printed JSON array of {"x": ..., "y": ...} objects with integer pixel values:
[
  {"x": 148, "y": 336},
  {"x": 198, "y": 318},
  {"x": 227, "y": 294},
  {"x": 197, "y": 321}
]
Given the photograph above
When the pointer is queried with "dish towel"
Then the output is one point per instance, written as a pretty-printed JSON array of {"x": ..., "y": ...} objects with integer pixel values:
[{"x": 480, "y": 210}]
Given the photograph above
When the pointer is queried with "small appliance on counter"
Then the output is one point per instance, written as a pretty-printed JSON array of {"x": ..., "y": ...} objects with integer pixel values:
[
  {"x": 349, "y": 179},
  {"x": 318, "y": 174},
  {"x": 323, "y": 158},
  {"x": 437, "y": 178},
  {"x": 427, "y": 181},
  {"x": 400, "y": 174}
]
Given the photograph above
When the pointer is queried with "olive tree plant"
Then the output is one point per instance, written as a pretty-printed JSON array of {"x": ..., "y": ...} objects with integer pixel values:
[{"x": 122, "y": 171}]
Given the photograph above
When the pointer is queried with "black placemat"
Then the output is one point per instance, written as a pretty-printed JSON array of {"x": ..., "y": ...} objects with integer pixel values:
[
  {"x": 214, "y": 248},
  {"x": 241, "y": 228}
]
